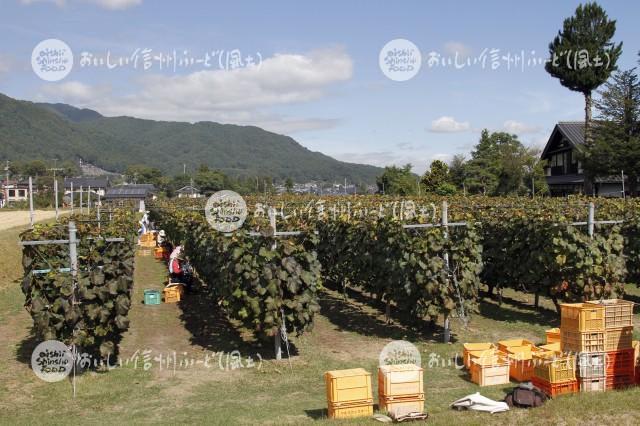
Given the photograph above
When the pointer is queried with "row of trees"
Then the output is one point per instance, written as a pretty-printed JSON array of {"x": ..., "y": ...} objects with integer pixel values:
[{"x": 499, "y": 165}]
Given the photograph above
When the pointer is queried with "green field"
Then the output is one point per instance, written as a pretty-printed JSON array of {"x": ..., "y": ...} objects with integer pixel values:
[{"x": 348, "y": 334}]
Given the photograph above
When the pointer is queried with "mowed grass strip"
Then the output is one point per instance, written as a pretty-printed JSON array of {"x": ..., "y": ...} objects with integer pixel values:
[{"x": 347, "y": 334}]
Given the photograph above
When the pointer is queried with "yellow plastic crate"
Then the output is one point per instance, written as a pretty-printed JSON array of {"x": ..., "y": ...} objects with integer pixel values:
[
  {"x": 173, "y": 293},
  {"x": 551, "y": 347},
  {"x": 581, "y": 317},
  {"x": 503, "y": 345},
  {"x": 553, "y": 368},
  {"x": 348, "y": 386},
  {"x": 350, "y": 411},
  {"x": 398, "y": 380},
  {"x": 469, "y": 348},
  {"x": 617, "y": 339},
  {"x": 486, "y": 357},
  {"x": 553, "y": 335},
  {"x": 496, "y": 373},
  {"x": 401, "y": 406},
  {"x": 617, "y": 312},
  {"x": 576, "y": 341}
]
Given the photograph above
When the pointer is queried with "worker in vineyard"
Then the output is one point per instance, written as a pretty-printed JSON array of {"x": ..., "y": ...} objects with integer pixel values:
[{"x": 176, "y": 265}]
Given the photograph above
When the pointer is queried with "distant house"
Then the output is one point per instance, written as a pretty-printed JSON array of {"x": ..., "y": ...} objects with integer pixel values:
[
  {"x": 189, "y": 191},
  {"x": 98, "y": 185},
  {"x": 564, "y": 172},
  {"x": 12, "y": 192},
  {"x": 124, "y": 193}
]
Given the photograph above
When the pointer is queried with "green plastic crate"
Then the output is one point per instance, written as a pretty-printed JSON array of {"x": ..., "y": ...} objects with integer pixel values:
[{"x": 152, "y": 297}]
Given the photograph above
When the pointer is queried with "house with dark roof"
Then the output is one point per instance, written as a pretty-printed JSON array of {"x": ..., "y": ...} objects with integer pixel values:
[
  {"x": 189, "y": 191},
  {"x": 98, "y": 186},
  {"x": 136, "y": 193},
  {"x": 563, "y": 170}
]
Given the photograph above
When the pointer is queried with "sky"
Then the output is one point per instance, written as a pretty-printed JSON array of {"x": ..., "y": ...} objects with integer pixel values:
[{"x": 311, "y": 70}]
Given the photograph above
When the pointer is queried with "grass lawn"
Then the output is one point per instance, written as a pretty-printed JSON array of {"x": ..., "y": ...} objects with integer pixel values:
[{"x": 348, "y": 334}]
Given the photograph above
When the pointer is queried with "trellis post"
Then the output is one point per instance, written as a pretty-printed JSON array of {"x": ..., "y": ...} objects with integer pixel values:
[
  {"x": 55, "y": 189},
  {"x": 445, "y": 234},
  {"x": 590, "y": 219},
  {"x": 30, "y": 201},
  {"x": 277, "y": 342}
]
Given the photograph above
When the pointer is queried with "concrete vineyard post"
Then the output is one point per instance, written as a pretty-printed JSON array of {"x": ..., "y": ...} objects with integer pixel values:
[{"x": 445, "y": 225}]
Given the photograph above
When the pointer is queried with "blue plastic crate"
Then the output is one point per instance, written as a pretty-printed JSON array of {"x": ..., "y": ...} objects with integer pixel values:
[{"x": 152, "y": 297}]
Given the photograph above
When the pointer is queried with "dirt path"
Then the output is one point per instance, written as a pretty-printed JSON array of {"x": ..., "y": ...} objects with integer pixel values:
[{"x": 12, "y": 219}]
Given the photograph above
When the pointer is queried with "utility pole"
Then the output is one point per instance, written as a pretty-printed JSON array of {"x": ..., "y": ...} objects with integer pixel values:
[
  {"x": 345, "y": 186},
  {"x": 6, "y": 185},
  {"x": 623, "y": 193},
  {"x": 55, "y": 169},
  {"x": 184, "y": 168}
]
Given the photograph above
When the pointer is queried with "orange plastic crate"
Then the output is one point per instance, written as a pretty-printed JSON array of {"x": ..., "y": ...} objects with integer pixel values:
[
  {"x": 617, "y": 312},
  {"x": 399, "y": 380},
  {"x": 620, "y": 382},
  {"x": 553, "y": 368},
  {"x": 576, "y": 341},
  {"x": 348, "y": 386},
  {"x": 553, "y": 335},
  {"x": 556, "y": 389},
  {"x": 617, "y": 339},
  {"x": 620, "y": 363},
  {"x": 158, "y": 253},
  {"x": 401, "y": 406},
  {"x": 521, "y": 370},
  {"x": 581, "y": 317}
]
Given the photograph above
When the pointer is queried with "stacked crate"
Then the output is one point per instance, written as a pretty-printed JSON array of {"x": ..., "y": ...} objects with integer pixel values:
[
  {"x": 618, "y": 346},
  {"x": 636, "y": 356},
  {"x": 554, "y": 373},
  {"x": 349, "y": 393},
  {"x": 553, "y": 335},
  {"x": 583, "y": 333},
  {"x": 400, "y": 389}
]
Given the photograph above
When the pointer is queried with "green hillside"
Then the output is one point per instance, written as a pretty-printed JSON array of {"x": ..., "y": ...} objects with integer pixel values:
[{"x": 31, "y": 131}]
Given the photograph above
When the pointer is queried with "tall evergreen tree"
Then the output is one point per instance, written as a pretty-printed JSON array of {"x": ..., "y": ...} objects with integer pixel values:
[
  {"x": 582, "y": 55},
  {"x": 616, "y": 145}
]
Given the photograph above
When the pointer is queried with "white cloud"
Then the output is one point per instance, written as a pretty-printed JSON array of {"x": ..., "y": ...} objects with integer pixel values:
[
  {"x": 6, "y": 63},
  {"x": 116, "y": 4},
  {"x": 74, "y": 92},
  {"x": 58, "y": 3},
  {"x": 420, "y": 161},
  {"x": 447, "y": 124},
  {"x": 105, "y": 4},
  {"x": 240, "y": 96},
  {"x": 456, "y": 47},
  {"x": 519, "y": 128}
]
